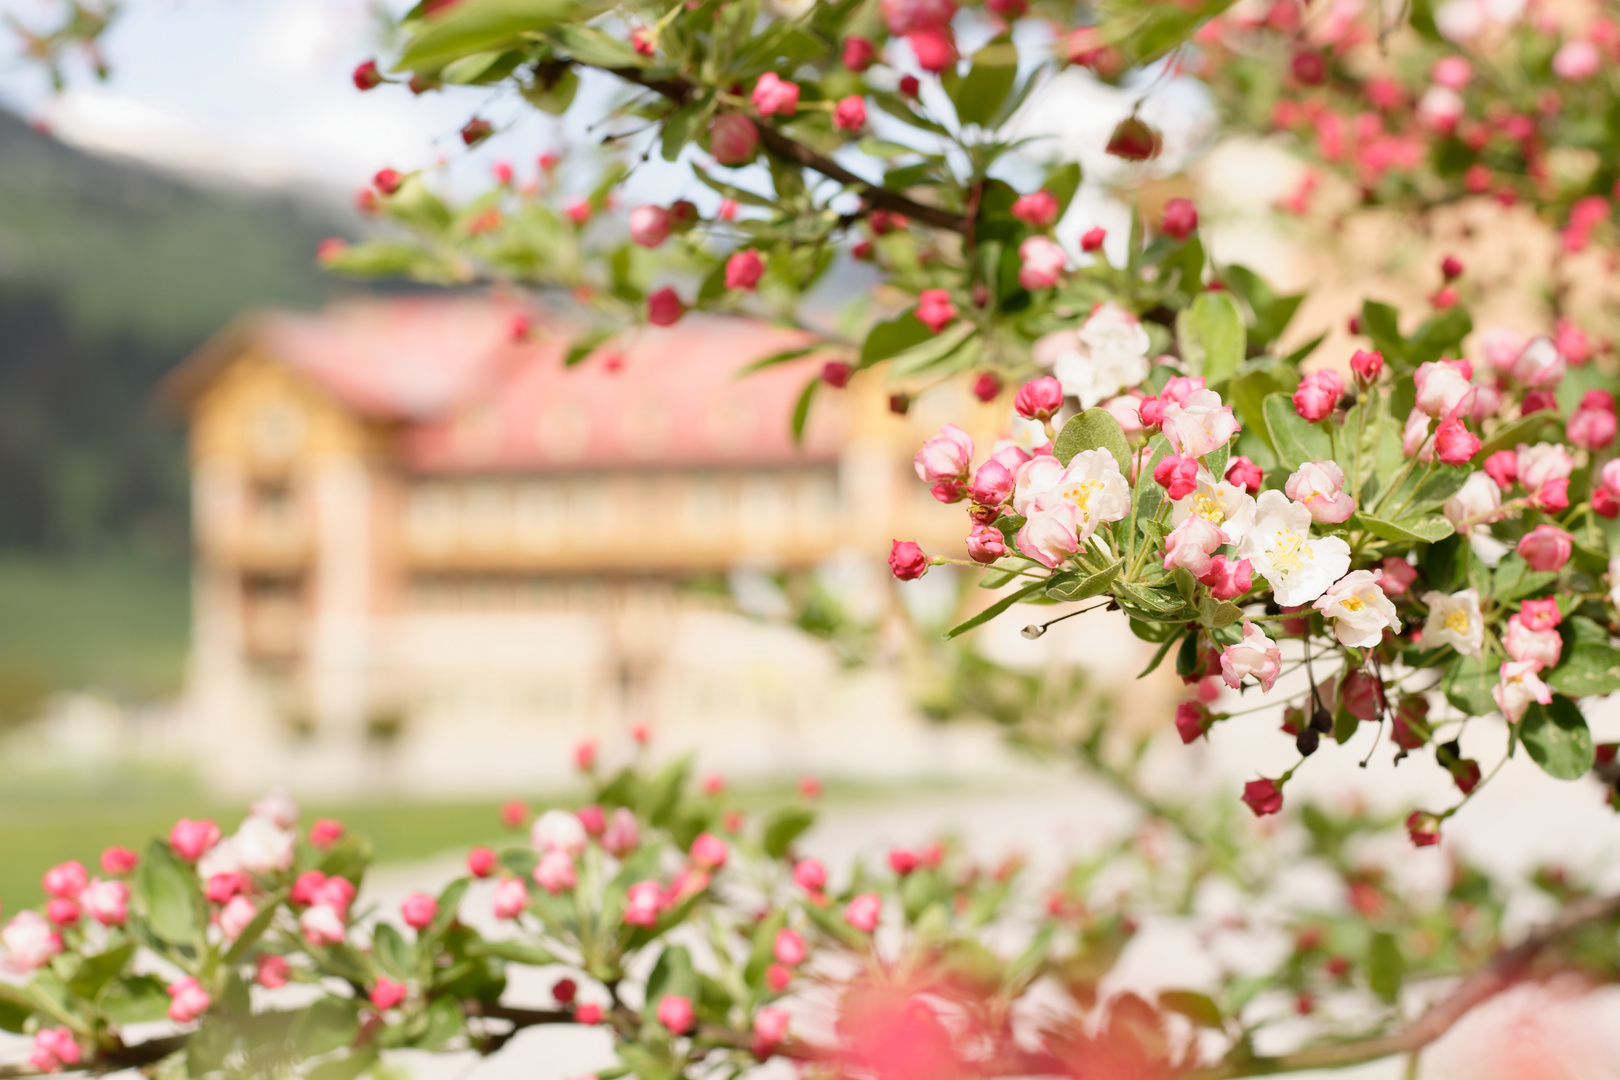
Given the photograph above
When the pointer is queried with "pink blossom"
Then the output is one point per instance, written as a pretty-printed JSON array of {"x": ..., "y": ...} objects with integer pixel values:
[
  {"x": 1126, "y": 408},
  {"x": 1198, "y": 424},
  {"x": 62, "y": 911},
  {"x": 1189, "y": 545},
  {"x": 1540, "y": 615},
  {"x": 1317, "y": 395},
  {"x": 1552, "y": 497},
  {"x": 850, "y": 113},
  {"x": 1546, "y": 547},
  {"x": 623, "y": 835},
  {"x": 789, "y": 948},
  {"x": 1262, "y": 797},
  {"x": 1255, "y": 655},
  {"x": 1415, "y": 435},
  {"x": 907, "y": 560},
  {"x": 1592, "y": 426},
  {"x": 905, "y": 16},
  {"x": 675, "y": 1013},
  {"x": 858, "y": 53},
  {"x": 236, "y": 916},
  {"x": 273, "y": 971},
  {"x": 191, "y": 839},
  {"x": 1180, "y": 218},
  {"x": 992, "y": 483},
  {"x": 935, "y": 50},
  {"x": 935, "y": 310},
  {"x": 578, "y": 210},
  {"x": 1039, "y": 398},
  {"x": 1192, "y": 721},
  {"x": 946, "y": 456},
  {"x": 30, "y": 941},
  {"x": 188, "y": 1000},
  {"x": 107, "y": 902},
  {"x": 419, "y": 910},
  {"x": 510, "y": 898},
  {"x": 1523, "y": 643},
  {"x": 645, "y": 900},
  {"x": 775, "y": 96},
  {"x": 1487, "y": 403},
  {"x": 1042, "y": 263},
  {"x": 1440, "y": 108},
  {"x": 555, "y": 872},
  {"x": 1319, "y": 485},
  {"x": 1503, "y": 467},
  {"x": 733, "y": 139},
  {"x": 1502, "y": 346},
  {"x": 1367, "y": 365},
  {"x": 592, "y": 819},
  {"x": 1454, "y": 444},
  {"x": 1227, "y": 580},
  {"x": 1442, "y": 387},
  {"x": 1245, "y": 474},
  {"x": 65, "y": 879},
  {"x": 1577, "y": 60},
  {"x": 1397, "y": 576},
  {"x": 1572, "y": 342},
  {"x": 1050, "y": 536},
  {"x": 1038, "y": 209},
  {"x": 1177, "y": 475},
  {"x": 325, "y": 833},
  {"x": 118, "y": 861},
  {"x": 53, "y": 1048},
  {"x": 1518, "y": 687},
  {"x": 1093, "y": 239},
  {"x": 864, "y": 911},
  {"x": 709, "y": 851},
  {"x": 986, "y": 544},
  {"x": 665, "y": 307},
  {"x": 1539, "y": 365},
  {"x": 810, "y": 875},
  {"x": 649, "y": 226},
  {"x": 770, "y": 1028},
  {"x": 387, "y": 993},
  {"x": 1538, "y": 464},
  {"x": 322, "y": 925},
  {"x": 1451, "y": 72}
]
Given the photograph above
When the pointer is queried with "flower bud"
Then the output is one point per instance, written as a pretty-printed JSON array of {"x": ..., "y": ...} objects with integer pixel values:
[
  {"x": 850, "y": 113},
  {"x": 1177, "y": 475},
  {"x": 709, "y": 851},
  {"x": 1180, "y": 219},
  {"x": 1263, "y": 797},
  {"x": 476, "y": 131},
  {"x": 935, "y": 49},
  {"x": 675, "y": 1013},
  {"x": 1367, "y": 365},
  {"x": 480, "y": 862},
  {"x": 419, "y": 910},
  {"x": 1454, "y": 444},
  {"x": 946, "y": 456},
  {"x": 775, "y": 96},
  {"x": 733, "y": 139},
  {"x": 1503, "y": 467},
  {"x": 1092, "y": 239},
  {"x": 1317, "y": 395},
  {"x": 649, "y": 226},
  {"x": 1038, "y": 209},
  {"x": 1039, "y": 399},
  {"x": 986, "y": 386},
  {"x": 858, "y": 53},
  {"x": 935, "y": 309},
  {"x": 1592, "y": 426},
  {"x": 1245, "y": 474},
  {"x": 367, "y": 77},
  {"x": 1042, "y": 263},
  {"x": 810, "y": 875},
  {"x": 118, "y": 861},
  {"x": 744, "y": 269},
  {"x": 1423, "y": 828},
  {"x": 1134, "y": 140},
  {"x": 986, "y": 544},
  {"x": 1192, "y": 721},
  {"x": 1451, "y": 268},
  {"x": 836, "y": 374},
  {"x": 1319, "y": 485},
  {"x": 864, "y": 911},
  {"x": 664, "y": 307},
  {"x": 1228, "y": 580},
  {"x": 1546, "y": 548}
]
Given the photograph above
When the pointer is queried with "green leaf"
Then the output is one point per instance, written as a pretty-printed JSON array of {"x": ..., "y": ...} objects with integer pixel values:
[
  {"x": 1440, "y": 336},
  {"x": 586, "y": 344},
  {"x": 1439, "y": 487},
  {"x": 449, "y": 903},
  {"x": 14, "y": 1012},
  {"x": 682, "y": 126},
  {"x": 1558, "y": 739},
  {"x": 1199, "y": 1008},
  {"x": 326, "y": 1025},
  {"x": 347, "y": 1067},
  {"x": 254, "y": 930},
  {"x": 1094, "y": 429},
  {"x": 1381, "y": 322},
  {"x": 1218, "y": 326},
  {"x": 474, "y": 26},
  {"x": 1386, "y": 968},
  {"x": 895, "y": 336},
  {"x": 663, "y": 791},
  {"x": 979, "y": 94},
  {"x": 94, "y": 972},
  {"x": 785, "y": 826},
  {"x": 1508, "y": 436},
  {"x": 801, "y": 409},
  {"x": 672, "y": 976},
  {"x": 1295, "y": 439},
  {"x": 1079, "y": 585},
  {"x": 1514, "y": 579},
  {"x": 348, "y": 859},
  {"x": 995, "y": 609},
  {"x": 140, "y": 1000},
  {"x": 928, "y": 354},
  {"x": 1425, "y": 528},
  {"x": 1468, "y": 685},
  {"x": 1061, "y": 183},
  {"x": 1248, "y": 392},
  {"x": 443, "y": 1023},
  {"x": 1587, "y": 670},
  {"x": 395, "y": 955},
  {"x": 517, "y": 952},
  {"x": 167, "y": 889}
]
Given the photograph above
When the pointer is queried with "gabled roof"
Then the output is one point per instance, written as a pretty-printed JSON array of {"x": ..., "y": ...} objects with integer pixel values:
[{"x": 467, "y": 396}]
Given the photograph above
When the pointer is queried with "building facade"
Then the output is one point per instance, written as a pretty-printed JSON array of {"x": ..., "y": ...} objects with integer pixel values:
[{"x": 431, "y": 556}]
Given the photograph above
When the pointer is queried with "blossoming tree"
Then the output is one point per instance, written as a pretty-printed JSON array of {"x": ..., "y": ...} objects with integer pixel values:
[{"x": 1427, "y": 535}]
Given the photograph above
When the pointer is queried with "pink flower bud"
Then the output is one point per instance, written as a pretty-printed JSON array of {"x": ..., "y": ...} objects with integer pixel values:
[
  {"x": 1038, "y": 209},
  {"x": 367, "y": 77},
  {"x": 1189, "y": 545},
  {"x": 107, "y": 902},
  {"x": 744, "y": 269},
  {"x": 579, "y": 211},
  {"x": 935, "y": 310},
  {"x": 1192, "y": 721},
  {"x": 387, "y": 181},
  {"x": 1423, "y": 828},
  {"x": 118, "y": 861},
  {"x": 1553, "y": 496},
  {"x": 1592, "y": 427},
  {"x": 775, "y": 96},
  {"x": 1042, "y": 263},
  {"x": 65, "y": 879},
  {"x": 480, "y": 862},
  {"x": 789, "y": 948},
  {"x": 1577, "y": 60},
  {"x": 992, "y": 484},
  {"x": 510, "y": 898},
  {"x": 810, "y": 875},
  {"x": 1546, "y": 547},
  {"x": 1451, "y": 268},
  {"x": 1093, "y": 239},
  {"x": 778, "y": 977},
  {"x": 770, "y": 1028},
  {"x": 623, "y": 835},
  {"x": 733, "y": 139},
  {"x": 1177, "y": 475},
  {"x": 1398, "y": 575},
  {"x": 514, "y": 812},
  {"x": 1263, "y": 797},
  {"x": 1256, "y": 654},
  {"x": 1319, "y": 485},
  {"x": 1503, "y": 467},
  {"x": 192, "y": 839},
  {"x": 236, "y": 917},
  {"x": 946, "y": 456},
  {"x": 1367, "y": 365},
  {"x": 649, "y": 226},
  {"x": 419, "y": 910},
  {"x": 273, "y": 972},
  {"x": 221, "y": 887},
  {"x": 864, "y": 911},
  {"x": 62, "y": 911},
  {"x": 53, "y": 1049},
  {"x": 1442, "y": 387},
  {"x": 709, "y": 851},
  {"x": 664, "y": 307},
  {"x": 850, "y": 113},
  {"x": 1245, "y": 474},
  {"x": 1180, "y": 218},
  {"x": 836, "y": 374},
  {"x": 564, "y": 991},
  {"x": 1228, "y": 580},
  {"x": 1151, "y": 411},
  {"x": 322, "y": 925},
  {"x": 387, "y": 993},
  {"x": 986, "y": 544},
  {"x": 188, "y": 1000},
  {"x": 588, "y": 1014},
  {"x": 1317, "y": 395},
  {"x": 858, "y": 53},
  {"x": 902, "y": 861},
  {"x": 1454, "y": 444},
  {"x": 935, "y": 49},
  {"x": 907, "y": 560},
  {"x": 675, "y": 1013},
  {"x": 555, "y": 872}
]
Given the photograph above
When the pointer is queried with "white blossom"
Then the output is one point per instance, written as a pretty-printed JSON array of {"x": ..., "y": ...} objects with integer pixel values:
[
  {"x": 1226, "y": 506},
  {"x": 1454, "y": 620},
  {"x": 1280, "y": 547},
  {"x": 1359, "y": 609},
  {"x": 1107, "y": 355}
]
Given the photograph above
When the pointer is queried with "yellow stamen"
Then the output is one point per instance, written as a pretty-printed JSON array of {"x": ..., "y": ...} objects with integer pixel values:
[
  {"x": 1352, "y": 603},
  {"x": 1457, "y": 622},
  {"x": 1209, "y": 508}
]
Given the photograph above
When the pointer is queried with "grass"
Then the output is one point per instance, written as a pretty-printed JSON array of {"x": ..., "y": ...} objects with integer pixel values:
[{"x": 118, "y": 624}]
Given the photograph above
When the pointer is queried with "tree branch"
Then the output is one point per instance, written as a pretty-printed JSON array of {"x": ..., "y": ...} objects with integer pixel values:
[
  {"x": 875, "y": 195},
  {"x": 1500, "y": 974}
]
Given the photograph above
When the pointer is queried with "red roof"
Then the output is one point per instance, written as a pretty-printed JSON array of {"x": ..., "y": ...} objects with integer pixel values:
[{"x": 473, "y": 399}]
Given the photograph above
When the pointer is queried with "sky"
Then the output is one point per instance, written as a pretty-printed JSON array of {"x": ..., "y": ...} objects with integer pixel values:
[{"x": 259, "y": 92}]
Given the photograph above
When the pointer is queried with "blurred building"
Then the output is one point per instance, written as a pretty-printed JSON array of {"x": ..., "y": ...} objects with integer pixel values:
[{"x": 430, "y": 554}]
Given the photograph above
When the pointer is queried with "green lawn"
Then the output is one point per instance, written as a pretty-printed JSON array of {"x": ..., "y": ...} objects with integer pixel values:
[{"x": 118, "y": 624}]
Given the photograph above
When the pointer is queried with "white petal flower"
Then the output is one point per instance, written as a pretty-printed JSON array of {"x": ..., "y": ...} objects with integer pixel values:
[
  {"x": 1478, "y": 498},
  {"x": 1110, "y": 354},
  {"x": 1280, "y": 547},
  {"x": 1223, "y": 505},
  {"x": 1358, "y": 609},
  {"x": 1454, "y": 620}
]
